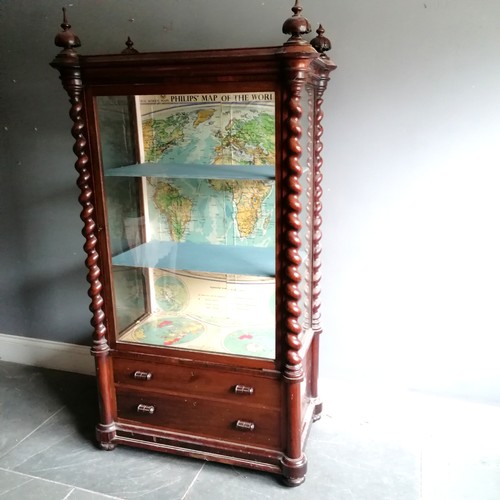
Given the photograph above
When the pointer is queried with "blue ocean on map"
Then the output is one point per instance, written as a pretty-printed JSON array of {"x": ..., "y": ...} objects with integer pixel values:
[{"x": 196, "y": 149}]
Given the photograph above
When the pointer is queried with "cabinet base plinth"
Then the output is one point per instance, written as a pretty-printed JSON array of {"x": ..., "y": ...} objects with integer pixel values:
[{"x": 204, "y": 448}]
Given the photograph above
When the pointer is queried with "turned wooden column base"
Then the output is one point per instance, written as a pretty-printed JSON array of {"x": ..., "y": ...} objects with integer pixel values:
[
  {"x": 105, "y": 435},
  {"x": 294, "y": 470},
  {"x": 318, "y": 410}
]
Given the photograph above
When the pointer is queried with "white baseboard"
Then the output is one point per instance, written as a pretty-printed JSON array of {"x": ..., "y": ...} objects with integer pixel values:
[{"x": 46, "y": 354}]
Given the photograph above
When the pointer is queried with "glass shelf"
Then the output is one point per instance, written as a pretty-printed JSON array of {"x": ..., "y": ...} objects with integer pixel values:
[
  {"x": 194, "y": 171},
  {"x": 231, "y": 259}
]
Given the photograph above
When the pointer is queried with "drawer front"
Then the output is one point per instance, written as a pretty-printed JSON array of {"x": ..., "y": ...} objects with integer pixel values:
[
  {"x": 203, "y": 382},
  {"x": 237, "y": 422}
]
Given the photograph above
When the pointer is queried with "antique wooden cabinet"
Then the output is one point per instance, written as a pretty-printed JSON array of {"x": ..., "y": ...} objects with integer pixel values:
[{"x": 200, "y": 178}]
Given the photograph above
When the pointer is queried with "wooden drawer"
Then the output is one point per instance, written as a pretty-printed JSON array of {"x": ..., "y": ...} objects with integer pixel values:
[
  {"x": 204, "y": 382},
  {"x": 251, "y": 425}
]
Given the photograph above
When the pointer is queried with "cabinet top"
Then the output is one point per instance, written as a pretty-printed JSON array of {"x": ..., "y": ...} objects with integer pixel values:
[{"x": 296, "y": 47}]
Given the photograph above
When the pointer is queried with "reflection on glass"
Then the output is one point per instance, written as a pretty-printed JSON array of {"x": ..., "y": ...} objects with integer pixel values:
[
  {"x": 125, "y": 220},
  {"x": 306, "y": 214},
  {"x": 190, "y": 195}
]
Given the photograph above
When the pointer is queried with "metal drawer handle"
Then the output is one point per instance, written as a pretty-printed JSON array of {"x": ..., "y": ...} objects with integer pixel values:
[
  {"x": 143, "y": 375},
  {"x": 243, "y": 425},
  {"x": 148, "y": 409},
  {"x": 243, "y": 390}
]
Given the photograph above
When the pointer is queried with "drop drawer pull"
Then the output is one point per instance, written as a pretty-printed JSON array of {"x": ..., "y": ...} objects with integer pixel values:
[
  {"x": 243, "y": 425},
  {"x": 148, "y": 409},
  {"x": 243, "y": 390},
  {"x": 143, "y": 375}
]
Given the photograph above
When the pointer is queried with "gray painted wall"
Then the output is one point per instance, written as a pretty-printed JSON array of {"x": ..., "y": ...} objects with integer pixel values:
[{"x": 411, "y": 245}]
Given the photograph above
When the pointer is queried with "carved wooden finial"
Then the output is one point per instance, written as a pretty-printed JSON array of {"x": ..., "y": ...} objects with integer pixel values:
[
  {"x": 130, "y": 47},
  {"x": 296, "y": 25},
  {"x": 66, "y": 38},
  {"x": 321, "y": 43}
]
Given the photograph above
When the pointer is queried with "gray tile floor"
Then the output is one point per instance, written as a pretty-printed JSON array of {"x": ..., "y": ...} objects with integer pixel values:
[{"x": 367, "y": 446}]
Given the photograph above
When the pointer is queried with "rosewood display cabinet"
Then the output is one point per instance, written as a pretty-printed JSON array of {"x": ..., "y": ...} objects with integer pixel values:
[{"x": 200, "y": 179}]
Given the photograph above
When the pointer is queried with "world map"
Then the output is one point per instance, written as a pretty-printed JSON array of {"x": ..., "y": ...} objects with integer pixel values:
[
  {"x": 208, "y": 210},
  {"x": 210, "y": 312}
]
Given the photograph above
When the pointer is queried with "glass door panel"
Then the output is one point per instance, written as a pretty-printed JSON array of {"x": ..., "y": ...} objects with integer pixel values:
[
  {"x": 306, "y": 201},
  {"x": 194, "y": 218},
  {"x": 123, "y": 199}
]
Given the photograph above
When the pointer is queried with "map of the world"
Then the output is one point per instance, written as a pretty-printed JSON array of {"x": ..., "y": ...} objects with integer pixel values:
[{"x": 211, "y": 130}]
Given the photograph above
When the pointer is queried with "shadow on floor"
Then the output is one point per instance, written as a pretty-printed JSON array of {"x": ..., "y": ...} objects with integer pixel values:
[{"x": 78, "y": 393}]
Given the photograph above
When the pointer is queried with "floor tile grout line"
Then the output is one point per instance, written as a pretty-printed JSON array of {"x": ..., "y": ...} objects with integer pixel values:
[
  {"x": 32, "y": 432},
  {"x": 69, "y": 493},
  {"x": 193, "y": 481},
  {"x": 31, "y": 477},
  {"x": 15, "y": 487}
]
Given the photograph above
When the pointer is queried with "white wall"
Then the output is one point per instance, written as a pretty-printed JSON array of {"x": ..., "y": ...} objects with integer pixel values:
[{"x": 412, "y": 237}]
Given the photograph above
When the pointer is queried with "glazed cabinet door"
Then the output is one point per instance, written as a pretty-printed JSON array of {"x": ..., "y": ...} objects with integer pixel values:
[{"x": 190, "y": 207}]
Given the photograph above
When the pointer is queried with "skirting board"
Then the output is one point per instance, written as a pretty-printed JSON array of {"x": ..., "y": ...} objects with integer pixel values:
[{"x": 46, "y": 354}]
